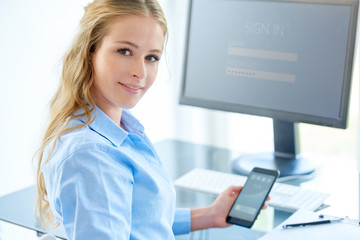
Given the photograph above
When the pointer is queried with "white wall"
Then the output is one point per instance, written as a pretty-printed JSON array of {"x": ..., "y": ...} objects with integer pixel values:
[{"x": 34, "y": 36}]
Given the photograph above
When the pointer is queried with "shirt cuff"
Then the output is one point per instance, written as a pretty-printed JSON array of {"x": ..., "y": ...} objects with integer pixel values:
[{"x": 182, "y": 221}]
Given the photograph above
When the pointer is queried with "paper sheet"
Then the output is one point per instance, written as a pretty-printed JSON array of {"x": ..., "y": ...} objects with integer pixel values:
[{"x": 332, "y": 231}]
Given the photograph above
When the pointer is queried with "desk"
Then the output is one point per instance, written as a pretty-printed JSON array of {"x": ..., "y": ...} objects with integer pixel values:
[
  {"x": 179, "y": 157},
  {"x": 19, "y": 208}
]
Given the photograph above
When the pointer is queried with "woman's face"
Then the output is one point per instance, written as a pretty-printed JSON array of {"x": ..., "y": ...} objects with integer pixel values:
[{"x": 126, "y": 62}]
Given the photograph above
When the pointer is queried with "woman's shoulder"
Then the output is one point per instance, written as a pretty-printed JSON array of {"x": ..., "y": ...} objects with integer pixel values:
[
  {"x": 80, "y": 139},
  {"x": 74, "y": 142},
  {"x": 99, "y": 141}
]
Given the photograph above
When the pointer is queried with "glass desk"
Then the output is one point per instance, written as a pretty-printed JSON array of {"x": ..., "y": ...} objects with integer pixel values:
[{"x": 178, "y": 157}]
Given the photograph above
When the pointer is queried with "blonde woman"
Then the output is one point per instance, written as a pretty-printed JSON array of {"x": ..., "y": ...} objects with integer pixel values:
[{"x": 97, "y": 172}]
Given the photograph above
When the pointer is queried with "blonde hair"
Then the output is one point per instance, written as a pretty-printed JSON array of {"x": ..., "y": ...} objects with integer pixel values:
[{"x": 77, "y": 75}]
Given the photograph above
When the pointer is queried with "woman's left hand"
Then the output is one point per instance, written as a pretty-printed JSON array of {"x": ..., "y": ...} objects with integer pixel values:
[
  {"x": 223, "y": 203},
  {"x": 214, "y": 216},
  {"x": 221, "y": 206}
]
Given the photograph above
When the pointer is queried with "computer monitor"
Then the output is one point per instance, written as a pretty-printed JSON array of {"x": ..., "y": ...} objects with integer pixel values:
[{"x": 289, "y": 60}]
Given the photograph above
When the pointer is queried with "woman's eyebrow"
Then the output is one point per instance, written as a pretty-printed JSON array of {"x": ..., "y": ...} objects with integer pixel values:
[
  {"x": 128, "y": 43},
  {"x": 137, "y": 46}
]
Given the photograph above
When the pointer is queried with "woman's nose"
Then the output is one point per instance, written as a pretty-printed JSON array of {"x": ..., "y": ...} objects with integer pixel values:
[{"x": 138, "y": 69}]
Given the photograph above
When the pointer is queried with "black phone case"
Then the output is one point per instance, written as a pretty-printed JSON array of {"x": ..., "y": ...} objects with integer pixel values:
[{"x": 246, "y": 223}]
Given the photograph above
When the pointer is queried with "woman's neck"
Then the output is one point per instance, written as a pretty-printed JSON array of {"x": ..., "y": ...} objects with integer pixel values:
[{"x": 114, "y": 113}]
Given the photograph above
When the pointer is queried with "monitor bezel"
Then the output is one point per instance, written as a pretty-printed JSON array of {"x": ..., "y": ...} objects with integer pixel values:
[{"x": 340, "y": 122}]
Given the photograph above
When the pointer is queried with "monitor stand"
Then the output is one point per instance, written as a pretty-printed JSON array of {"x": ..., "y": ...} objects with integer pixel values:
[{"x": 285, "y": 157}]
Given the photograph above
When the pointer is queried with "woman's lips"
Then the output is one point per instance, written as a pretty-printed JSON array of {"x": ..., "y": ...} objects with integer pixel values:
[{"x": 133, "y": 88}]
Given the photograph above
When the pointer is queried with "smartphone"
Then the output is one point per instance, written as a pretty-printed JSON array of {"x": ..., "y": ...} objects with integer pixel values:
[{"x": 252, "y": 197}]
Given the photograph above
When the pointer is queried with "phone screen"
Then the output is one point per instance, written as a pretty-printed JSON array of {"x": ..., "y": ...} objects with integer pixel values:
[{"x": 251, "y": 198}]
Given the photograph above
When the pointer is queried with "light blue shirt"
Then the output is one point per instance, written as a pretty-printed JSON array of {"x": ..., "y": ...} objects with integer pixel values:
[{"x": 104, "y": 182}]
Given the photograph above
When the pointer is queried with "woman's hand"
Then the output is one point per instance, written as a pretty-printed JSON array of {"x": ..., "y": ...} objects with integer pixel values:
[
  {"x": 214, "y": 216},
  {"x": 221, "y": 206}
]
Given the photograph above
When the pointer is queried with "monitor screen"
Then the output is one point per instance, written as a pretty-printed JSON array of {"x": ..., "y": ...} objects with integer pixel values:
[{"x": 290, "y": 60}]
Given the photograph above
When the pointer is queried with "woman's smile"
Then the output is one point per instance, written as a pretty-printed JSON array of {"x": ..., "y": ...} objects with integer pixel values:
[{"x": 132, "y": 88}]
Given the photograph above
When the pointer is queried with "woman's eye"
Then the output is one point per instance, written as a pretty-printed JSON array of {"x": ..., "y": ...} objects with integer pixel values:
[
  {"x": 153, "y": 58},
  {"x": 125, "y": 52}
]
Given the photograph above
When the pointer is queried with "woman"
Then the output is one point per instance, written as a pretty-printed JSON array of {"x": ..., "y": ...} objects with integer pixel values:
[{"x": 98, "y": 174}]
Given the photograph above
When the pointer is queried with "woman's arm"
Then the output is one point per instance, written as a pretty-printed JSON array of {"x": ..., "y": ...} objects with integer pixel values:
[
  {"x": 214, "y": 216},
  {"x": 93, "y": 196}
]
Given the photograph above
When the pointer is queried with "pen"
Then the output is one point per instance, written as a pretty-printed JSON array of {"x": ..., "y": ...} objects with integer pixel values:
[{"x": 310, "y": 223}]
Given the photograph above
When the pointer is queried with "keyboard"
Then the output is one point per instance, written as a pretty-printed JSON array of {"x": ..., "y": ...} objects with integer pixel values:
[{"x": 284, "y": 196}]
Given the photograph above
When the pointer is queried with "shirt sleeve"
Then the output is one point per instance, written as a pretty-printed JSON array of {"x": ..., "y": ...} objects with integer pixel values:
[
  {"x": 182, "y": 221},
  {"x": 94, "y": 196}
]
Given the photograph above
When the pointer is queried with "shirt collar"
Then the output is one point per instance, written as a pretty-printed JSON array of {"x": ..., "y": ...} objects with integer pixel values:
[
  {"x": 132, "y": 125},
  {"x": 104, "y": 126}
]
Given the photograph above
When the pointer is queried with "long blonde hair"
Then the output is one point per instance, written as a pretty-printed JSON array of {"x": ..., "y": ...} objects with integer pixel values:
[{"x": 74, "y": 91}]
